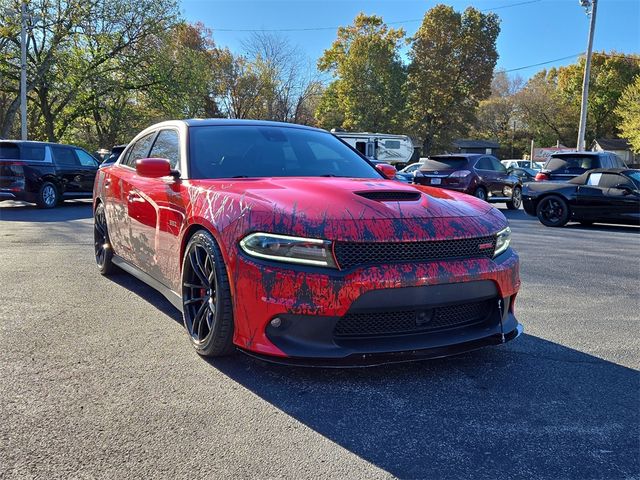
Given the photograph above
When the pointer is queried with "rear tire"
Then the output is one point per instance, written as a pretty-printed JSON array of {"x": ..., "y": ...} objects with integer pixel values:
[
  {"x": 206, "y": 297},
  {"x": 481, "y": 193},
  {"x": 101, "y": 242},
  {"x": 553, "y": 211},
  {"x": 48, "y": 196},
  {"x": 516, "y": 199}
]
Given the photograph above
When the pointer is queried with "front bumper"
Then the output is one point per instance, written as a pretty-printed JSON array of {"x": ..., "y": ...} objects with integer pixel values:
[{"x": 310, "y": 304}]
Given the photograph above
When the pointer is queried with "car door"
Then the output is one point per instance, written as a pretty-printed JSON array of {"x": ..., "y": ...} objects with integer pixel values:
[
  {"x": 68, "y": 170},
  {"x": 156, "y": 213},
  {"x": 601, "y": 199},
  {"x": 486, "y": 174},
  {"x": 89, "y": 167},
  {"x": 504, "y": 181},
  {"x": 122, "y": 200}
]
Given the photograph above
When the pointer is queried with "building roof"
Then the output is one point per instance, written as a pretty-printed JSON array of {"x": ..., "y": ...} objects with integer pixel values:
[
  {"x": 462, "y": 143},
  {"x": 612, "y": 143}
]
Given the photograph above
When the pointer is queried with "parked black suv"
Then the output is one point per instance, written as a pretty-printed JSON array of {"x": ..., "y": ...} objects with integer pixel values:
[
  {"x": 45, "y": 173},
  {"x": 564, "y": 166}
]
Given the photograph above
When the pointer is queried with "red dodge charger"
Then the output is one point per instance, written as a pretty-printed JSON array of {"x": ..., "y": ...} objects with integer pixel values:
[{"x": 282, "y": 241}]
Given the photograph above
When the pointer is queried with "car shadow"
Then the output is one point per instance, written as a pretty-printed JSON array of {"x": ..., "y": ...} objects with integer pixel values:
[
  {"x": 11, "y": 211},
  {"x": 531, "y": 409},
  {"x": 519, "y": 217},
  {"x": 144, "y": 291},
  {"x": 528, "y": 409}
]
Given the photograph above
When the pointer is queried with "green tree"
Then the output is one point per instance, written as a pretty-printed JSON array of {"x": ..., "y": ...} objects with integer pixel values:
[
  {"x": 610, "y": 75},
  {"x": 368, "y": 74},
  {"x": 628, "y": 110},
  {"x": 452, "y": 60}
]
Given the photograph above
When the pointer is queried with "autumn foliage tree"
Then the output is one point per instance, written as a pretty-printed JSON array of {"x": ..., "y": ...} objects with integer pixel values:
[
  {"x": 452, "y": 59},
  {"x": 366, "y": 93},
  {"x": 628, "y": 110}
]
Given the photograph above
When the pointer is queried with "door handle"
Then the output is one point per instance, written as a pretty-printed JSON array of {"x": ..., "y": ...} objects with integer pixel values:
[{"x": 134, "y": 198}]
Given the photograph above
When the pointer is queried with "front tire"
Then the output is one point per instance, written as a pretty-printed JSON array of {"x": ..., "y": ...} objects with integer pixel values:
[
  {"x": 206, "y": 297},
  {"x": 480, "y": 193},
  {"x": 48, "y": 196},
  {"x": 553, "y": 211},
  {"x": 516, "y": 199},
  {"x": 101, "y": 242}
]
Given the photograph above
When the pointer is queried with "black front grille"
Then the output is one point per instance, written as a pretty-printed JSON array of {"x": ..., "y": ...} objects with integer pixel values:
[
  {"x": 390, "y": 196},
  {"x": 351, "y": 254},
  {"x": 403, "y": 322}
]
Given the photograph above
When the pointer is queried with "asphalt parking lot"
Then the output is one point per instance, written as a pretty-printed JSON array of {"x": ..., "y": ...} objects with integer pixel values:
[{"x": 97, "y": 378}]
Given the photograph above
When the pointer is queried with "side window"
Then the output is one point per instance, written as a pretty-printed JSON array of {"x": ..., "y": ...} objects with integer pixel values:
[
  {"x": 32, "y": 152},
  {"x": 609, "y": 180},
  {"x": 484, "y": 164},
  {"x": 64, "y": 156},
  {"x": 497, "y": 166},
  {"x": 139, "y": 150},
  {"x": 594, "y": 179},
  {"x": 86, "y": 160},
  {"x": 167, "y": 145},
  {"x": 617, "y": 161},
  {"x": 605, "y": 161}
]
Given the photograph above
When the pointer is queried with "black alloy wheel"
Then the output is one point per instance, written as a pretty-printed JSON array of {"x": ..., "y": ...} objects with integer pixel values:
[
  {"x": 516, "y": 199},
  {"x": 102, "y": 245},
  {"x": 206, "y": 297},
  {"x": 553, "y": 211},
  {"x": 480, "y": 193},
  {"x": 48, "y": 196}
]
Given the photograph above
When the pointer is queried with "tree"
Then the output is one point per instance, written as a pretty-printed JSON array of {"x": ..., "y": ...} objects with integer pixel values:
[
  {"x": 287, "y": 82},
  {"x": 497, "y": 116},
  {"x": 628, "y": 110},
  {"x": 368, "y": 74},
  {"x": 452, "y": 60},
  {"x": 610, "y": 75}
]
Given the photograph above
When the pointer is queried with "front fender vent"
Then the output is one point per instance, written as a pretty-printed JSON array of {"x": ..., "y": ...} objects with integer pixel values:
[{"x": 390, "y": 196}]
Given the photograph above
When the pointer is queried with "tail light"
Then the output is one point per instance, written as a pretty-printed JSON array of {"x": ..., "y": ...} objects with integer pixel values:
[
  {"x": 541, "y": 177},
  {"x": 460, "y": 174},
  {"x": 11, "y": 176}
]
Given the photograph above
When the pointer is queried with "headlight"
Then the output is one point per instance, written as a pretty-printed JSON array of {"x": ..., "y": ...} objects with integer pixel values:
[
  {"x": 282, "y": 248},
  {"x": 503, "y": 239}
]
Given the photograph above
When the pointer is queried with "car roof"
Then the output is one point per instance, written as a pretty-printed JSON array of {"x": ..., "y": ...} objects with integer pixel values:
[
  {"x": 455, "y": 155},
  {"x": 582, "y": 153},
  {"x": 29, "y": 142},
  {"x": 208, "y": 122},
  {"x": 583, "y": 177}
]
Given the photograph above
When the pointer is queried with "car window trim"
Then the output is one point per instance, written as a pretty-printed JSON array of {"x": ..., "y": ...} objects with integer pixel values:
[
  {"x": 155, "y": 139},
  {"x": 132, "y": 145}
]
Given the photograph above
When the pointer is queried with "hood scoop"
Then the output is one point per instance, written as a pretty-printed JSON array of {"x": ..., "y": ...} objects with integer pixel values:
[{"x": 390, "y": 195}]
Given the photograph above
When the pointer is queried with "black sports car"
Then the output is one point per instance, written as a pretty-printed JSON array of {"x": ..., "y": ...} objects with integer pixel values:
[{"x": 604, "y": 195}]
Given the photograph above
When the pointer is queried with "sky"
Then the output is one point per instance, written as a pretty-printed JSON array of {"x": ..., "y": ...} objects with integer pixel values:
[{"x": 532, "y": 31}]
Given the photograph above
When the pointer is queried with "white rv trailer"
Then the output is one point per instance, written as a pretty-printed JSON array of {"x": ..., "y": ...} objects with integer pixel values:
[{"x": 386, "y": 147}]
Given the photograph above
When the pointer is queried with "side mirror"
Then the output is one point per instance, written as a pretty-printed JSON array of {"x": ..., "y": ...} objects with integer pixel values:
[
  {"x": 389, "y": 171},
  {"x": 626, "y": 189},
  {"x": 155, "y": 168}
]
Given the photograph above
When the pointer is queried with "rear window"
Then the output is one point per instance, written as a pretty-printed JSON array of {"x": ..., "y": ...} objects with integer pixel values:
[
  {"x": 448, "y": 163},
  {"x": 9, "y": 151},
  {"x": 572, "y": 163}
]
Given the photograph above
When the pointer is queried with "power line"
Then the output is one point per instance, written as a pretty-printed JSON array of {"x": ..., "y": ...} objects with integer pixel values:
[
  {"x": 542, "y": 63},
  {"x": 628, "y": 57},
  {"x": 315, "y": 29}
]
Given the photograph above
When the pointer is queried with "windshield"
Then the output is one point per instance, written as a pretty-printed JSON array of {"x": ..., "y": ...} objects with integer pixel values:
[
  {"x": 572, "y": 163},
  {"x": 233, "y": 151},
  {"x": 445, "y": 163},
  {"x": 635, "y": 176}
]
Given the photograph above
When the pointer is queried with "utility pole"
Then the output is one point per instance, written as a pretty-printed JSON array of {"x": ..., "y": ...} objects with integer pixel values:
[
  {"x": 23, "y": 70},
  {"x": 590, "y": 6}
]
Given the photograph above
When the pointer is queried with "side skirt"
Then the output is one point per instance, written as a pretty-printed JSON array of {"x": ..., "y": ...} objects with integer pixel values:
[{"x": 173, "y": 297}]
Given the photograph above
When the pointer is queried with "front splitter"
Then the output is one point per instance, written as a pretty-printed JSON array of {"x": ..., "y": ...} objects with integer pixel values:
[{"x": 377, "y": 359}]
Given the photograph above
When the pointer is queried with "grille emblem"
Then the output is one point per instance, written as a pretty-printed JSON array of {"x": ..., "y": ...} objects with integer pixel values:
[{"x": 423, "y": 317}]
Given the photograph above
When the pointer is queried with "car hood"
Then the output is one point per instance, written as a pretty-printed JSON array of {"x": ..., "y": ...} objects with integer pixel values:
[{"x": 342, "y": 208}]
